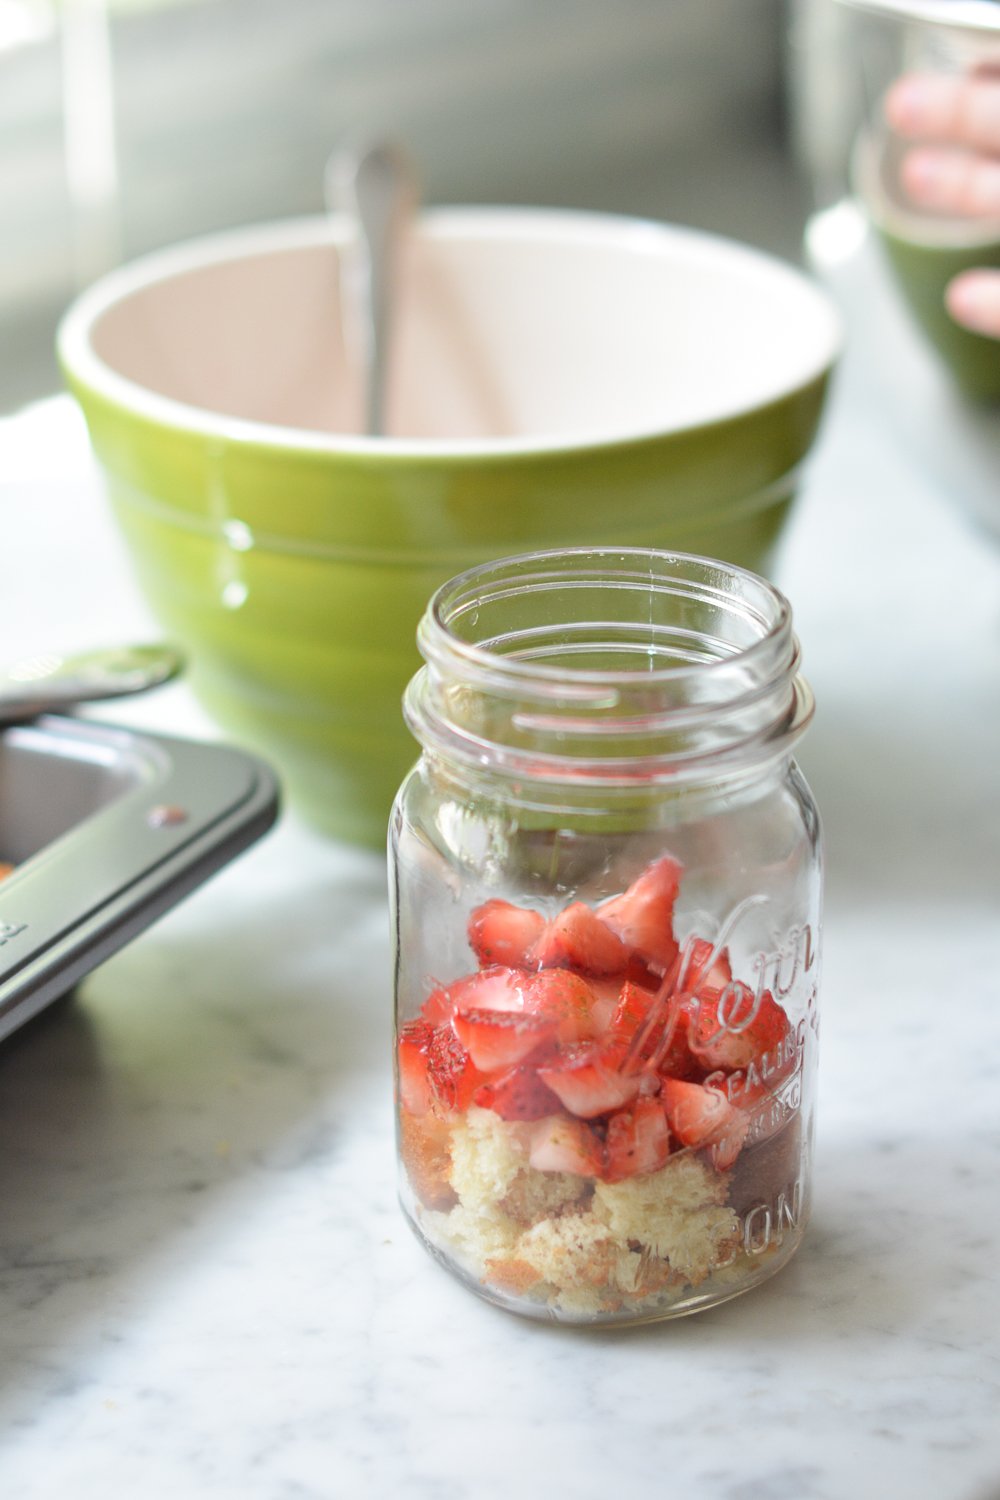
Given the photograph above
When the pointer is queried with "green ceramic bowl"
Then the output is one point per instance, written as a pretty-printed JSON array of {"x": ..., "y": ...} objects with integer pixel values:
[
  {"x": 559, "y": 379},
  {"x": 925, "y": 251}
]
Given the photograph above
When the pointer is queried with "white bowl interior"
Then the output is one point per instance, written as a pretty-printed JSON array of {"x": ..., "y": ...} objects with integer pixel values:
[{"x": 520, "y": 326}]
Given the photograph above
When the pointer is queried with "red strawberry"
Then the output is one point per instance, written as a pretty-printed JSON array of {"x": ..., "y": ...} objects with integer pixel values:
[
  {"x": 702, "y": 1117},
  {"x": 564, "y": 998},
  {"x": 437, "y": 1008},
  {"x": 630, "y": 1013},
  {"x": 434, "y": 1069},
  {"x": 733, "y": 1026},
  {"x": 643, "y": 916},
  {"x": 692, "y": 967},
  {"x": 453, "y": 1075},
  {"x": 607, "y": 991},
  {"x": 517, "y": 1095},
  {"x": 678, "y": 1060},
  {"x": 587, "y": 1081},
  {"x": 578, "y": 939},
  {"x": 729, "y": 1142},
  {"x": 415, "y": 1092},
  {"x": 657, "y": 1025},
  {"x": 489, "y": 989},
  {"x": 497, "y": 1039},
  {"x": 501, "y": 933},
  {"x": 638, "y": 1140},
  {"x": 560, "y": 1144}
]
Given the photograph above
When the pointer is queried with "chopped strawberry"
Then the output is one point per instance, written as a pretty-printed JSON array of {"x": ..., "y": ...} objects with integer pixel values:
[
  {"x": 638, "y": 1140},
  {"x": 415, "y": 1092},
  {"x": 453, "y": 1073},
  {"x": 565, "y": 998},
  {"x": 607, "y": 991},
  {"x": 489, "y": 989},
  {"x": 630, "y": 1014},
  {"x": 770, "y": 1065},
  {"x": 729, "y": 1143},
  {"x": 733, "y": 1026},
  {"x": 695, "y": 972},
  {"x": 643, "y": 916},
  {"x": 676, "y": 1059},
  {"x": 434, "y": 1069},
  {"x": 437, "y": 1008},
  {"x": 701, "y": 1117},
  {"x": 654, "y": 1027},
  {"x": 695, "y": 1113},
  {"x": 587, "y": 1081},
  {"x": 518, "y": 1095},
  {"x": 499, "y": 1039},
  {"x": 577, "y": 938},
  {"x": 560, "y": 1144},
  {"x": 501, "y": 933}
]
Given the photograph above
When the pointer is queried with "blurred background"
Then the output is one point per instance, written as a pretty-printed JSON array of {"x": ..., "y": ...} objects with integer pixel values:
[{"x": 129, "y": 124}]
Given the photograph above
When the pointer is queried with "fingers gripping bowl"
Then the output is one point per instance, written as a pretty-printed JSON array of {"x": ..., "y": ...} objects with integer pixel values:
[{"x": 559, "y": 379}]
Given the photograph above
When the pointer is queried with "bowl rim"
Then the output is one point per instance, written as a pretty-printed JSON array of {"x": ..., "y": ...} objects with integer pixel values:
[{"x": 83, "y": 367}]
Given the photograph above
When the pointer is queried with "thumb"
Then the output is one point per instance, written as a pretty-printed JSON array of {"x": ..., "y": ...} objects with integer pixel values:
[{"x": 973, "y": 299}]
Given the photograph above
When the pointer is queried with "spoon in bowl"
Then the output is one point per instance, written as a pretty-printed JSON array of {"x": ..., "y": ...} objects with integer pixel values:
[
  {"x": 48, "y": 683},
  {"x": 377, "y": 186}
]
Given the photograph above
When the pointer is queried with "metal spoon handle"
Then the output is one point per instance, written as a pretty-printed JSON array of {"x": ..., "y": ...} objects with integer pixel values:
[{"x": 377, "y": 186}]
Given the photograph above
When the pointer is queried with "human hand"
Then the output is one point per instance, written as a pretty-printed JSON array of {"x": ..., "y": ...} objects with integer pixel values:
[{"x": 954, "y": 169}]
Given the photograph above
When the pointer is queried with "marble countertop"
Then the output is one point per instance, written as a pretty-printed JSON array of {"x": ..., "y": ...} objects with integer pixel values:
[{"x": 206, "y": 1287}]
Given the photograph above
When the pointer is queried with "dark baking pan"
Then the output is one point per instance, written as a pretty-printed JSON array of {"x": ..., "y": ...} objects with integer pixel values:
[{"x": 107, "y": 829}]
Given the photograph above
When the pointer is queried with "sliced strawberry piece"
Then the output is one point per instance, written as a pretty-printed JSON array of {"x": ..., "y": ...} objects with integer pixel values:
[
  {"x": 499, "y": 1039},
  {"x": 630, "y": 1015},
  {"x": 489, "y": 989},
  {"x": 415, "y": 1092},
  {"x": 643, "y": 916},
  {"x": 501, "y": 933},
  {"x": 678, "y": 1060},
  {"x": 437, "y": 1008},
  {"x": 638, "y": 1141},
  {"x": 770, "y": 1026},
  {"x": 577, "y": 938},
  {"x": 587, "y": 1081},
  {"x": 701, "y": 1117},
  {"x": 517, "y": 1095},
  {"x": 606, "y": 990},
  {"x": 564, "y": 998},
  {"x": 452, "y": 1072},
  {"x": 498, "y": 988},
  {"x": 732, "y": 1027},
  {"x": 435, "y": 1071},
  {"x": 652, "y": 1029},
  {"x": 560, "y": 1144},
  {"x": 696, "y": 1114},
  {"x": 728, "y": 1143},
  {"x": 695, "y": 971},
  {"x": 774, "y": 1057}
]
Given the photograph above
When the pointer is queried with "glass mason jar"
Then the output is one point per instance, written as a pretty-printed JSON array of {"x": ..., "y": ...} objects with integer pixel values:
[{"x": 606, "y": 887}]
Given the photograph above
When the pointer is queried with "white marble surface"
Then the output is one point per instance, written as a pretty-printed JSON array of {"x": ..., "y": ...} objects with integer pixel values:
[{"x": 206, "y": 1288}]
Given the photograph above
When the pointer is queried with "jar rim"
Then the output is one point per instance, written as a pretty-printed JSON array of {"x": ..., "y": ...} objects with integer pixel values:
[
  {"x": 435, "y": 635},
  {"x": 730, "y": 689}
]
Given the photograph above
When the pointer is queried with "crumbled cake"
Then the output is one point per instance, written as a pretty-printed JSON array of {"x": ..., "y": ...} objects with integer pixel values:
[
  {"x": 678, "y": 1213},
  {"x": 599, "y": 1121},
  {"x": 578, "y": 1245}
]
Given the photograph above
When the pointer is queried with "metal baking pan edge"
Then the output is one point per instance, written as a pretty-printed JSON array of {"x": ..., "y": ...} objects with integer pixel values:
[{"x": 88, "y": 892}]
